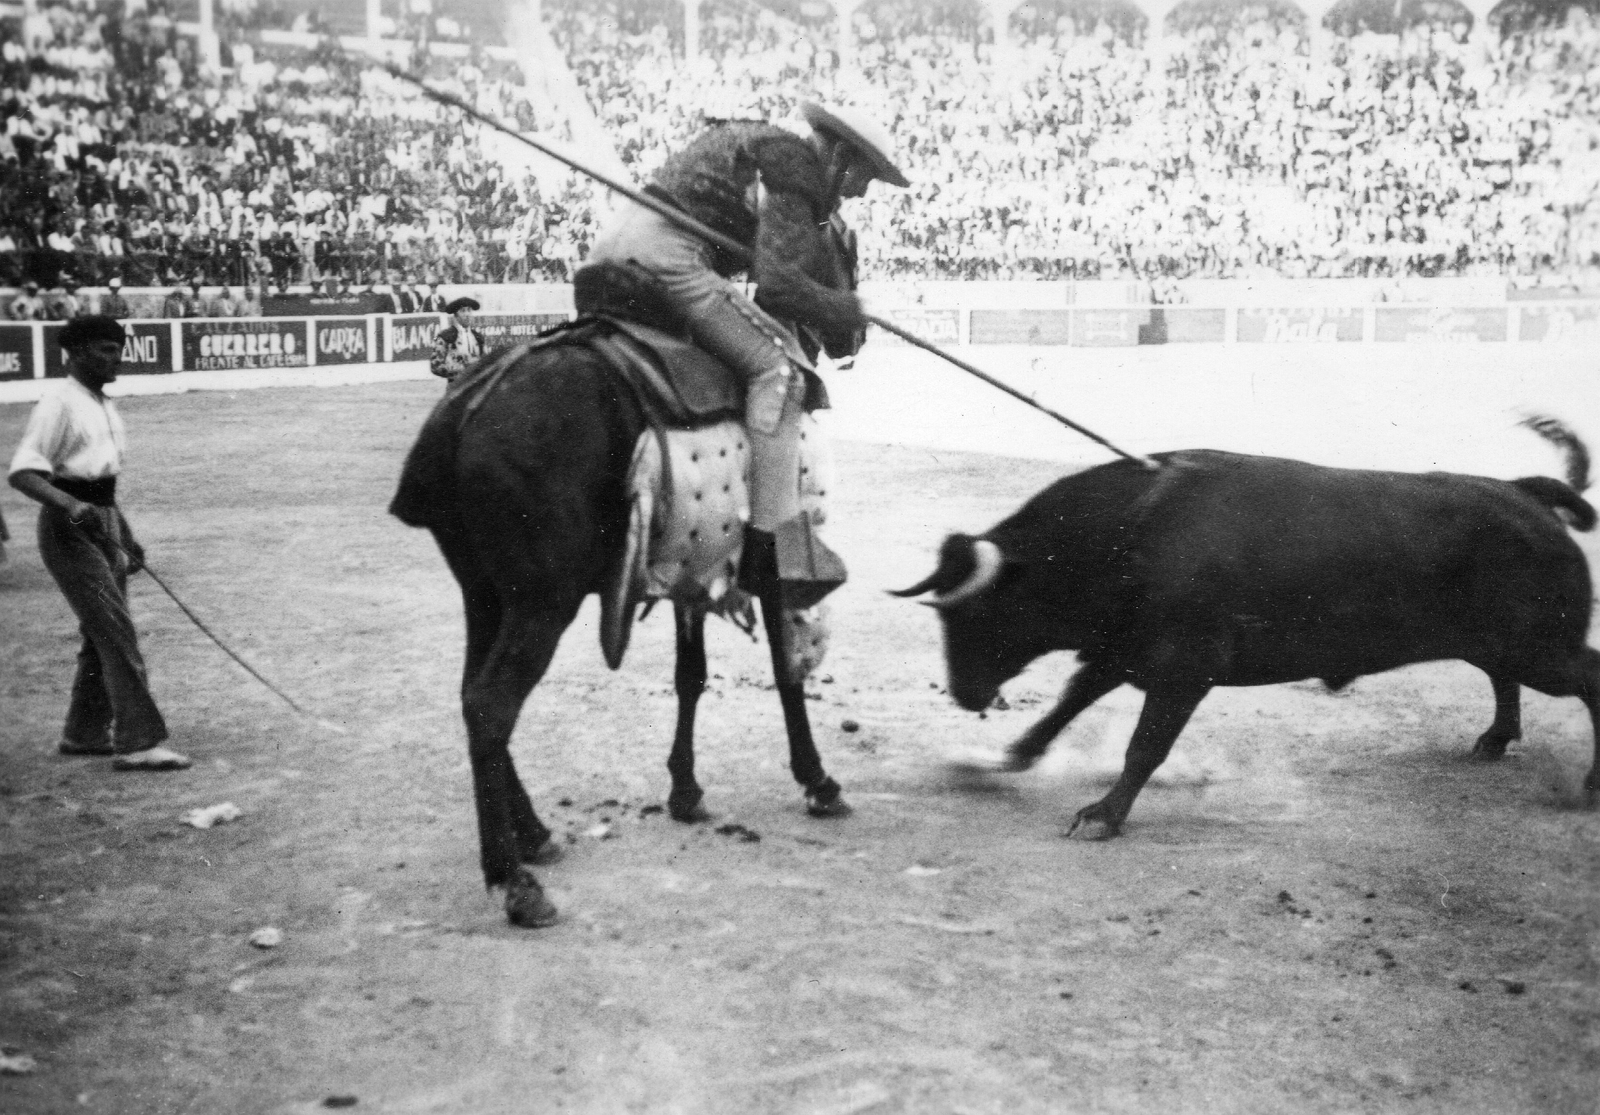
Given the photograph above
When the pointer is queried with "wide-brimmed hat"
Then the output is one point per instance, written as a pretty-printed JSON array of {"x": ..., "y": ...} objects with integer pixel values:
[
  {"x": 861, "y": 132},
  {"x": 461, "y": 304}
]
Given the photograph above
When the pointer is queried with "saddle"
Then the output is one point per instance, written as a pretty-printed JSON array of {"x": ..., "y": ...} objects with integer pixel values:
[{"x": 689, "y": 499}]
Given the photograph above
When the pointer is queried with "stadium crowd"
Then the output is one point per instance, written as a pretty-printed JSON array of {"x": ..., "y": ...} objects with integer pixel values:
[{"x": 1088, "y": 146}]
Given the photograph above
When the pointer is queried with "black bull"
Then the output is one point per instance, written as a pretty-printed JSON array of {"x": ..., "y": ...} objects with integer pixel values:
[{"x": 1222, "y": 569}]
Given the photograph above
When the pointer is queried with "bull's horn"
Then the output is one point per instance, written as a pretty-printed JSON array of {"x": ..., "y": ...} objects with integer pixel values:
[
  {"x": 988, "y": 558},
  {"x": 919, "y": 588}
]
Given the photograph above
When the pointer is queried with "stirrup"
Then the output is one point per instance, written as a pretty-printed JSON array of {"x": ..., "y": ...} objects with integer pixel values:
[{"x": 807, "y": 569}]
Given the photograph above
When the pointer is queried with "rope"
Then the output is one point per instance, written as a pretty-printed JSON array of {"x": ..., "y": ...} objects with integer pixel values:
[{"x": 226, "y": 649}]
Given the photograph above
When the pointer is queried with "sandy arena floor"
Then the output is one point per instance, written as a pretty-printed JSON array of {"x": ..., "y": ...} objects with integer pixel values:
[{"x": 1320, "y": 906}]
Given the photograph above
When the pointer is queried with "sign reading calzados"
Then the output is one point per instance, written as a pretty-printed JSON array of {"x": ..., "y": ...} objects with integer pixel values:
[{"x": 210, "y": 346}]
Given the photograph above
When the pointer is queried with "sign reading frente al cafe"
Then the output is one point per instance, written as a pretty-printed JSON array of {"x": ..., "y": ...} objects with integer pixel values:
[
  {"x": 341, "y": 340},
  {"x": 16, "y": 352},
  {"x": 239, "y": 343}
]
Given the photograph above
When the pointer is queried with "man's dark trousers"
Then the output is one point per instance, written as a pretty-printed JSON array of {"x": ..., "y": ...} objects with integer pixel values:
[{"x": 111, "y": 686}]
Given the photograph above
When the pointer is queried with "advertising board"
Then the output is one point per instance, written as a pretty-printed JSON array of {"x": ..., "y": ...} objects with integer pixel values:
[
  {"x": 500, "y": 330},
  {"x": 1557, "y": 323},
  {"x": 1021, "y": 327},
  {"x": 147, "y": 351},
  {"x": 1106, "y": 328},
  {"x": 322, "y": 305},
  {"x": 1441, "y": 323},
  {"x": 411, "y": 335},
  {"x": 228, "y": 344},
  {"x": 942, "y": 327},
  {"x": 1192, "y": 326},
  {"x": 16, "y": 352},
  {"x": 342, "y": 340},
  {"x": 1299, "y": 324}
]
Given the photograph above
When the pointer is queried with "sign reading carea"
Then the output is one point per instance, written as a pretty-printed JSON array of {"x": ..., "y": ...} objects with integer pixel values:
[
  {"x": 250, "y": 343},
  {"x": 342, "y": 340}
]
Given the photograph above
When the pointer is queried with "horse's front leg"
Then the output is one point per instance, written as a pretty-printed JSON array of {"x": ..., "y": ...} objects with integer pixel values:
[
  {"x": 690, "y": 680},
  {"x": 823, "y": 795}
]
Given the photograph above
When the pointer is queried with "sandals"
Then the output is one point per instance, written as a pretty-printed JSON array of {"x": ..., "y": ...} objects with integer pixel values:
[{"x": 151, "y": 759}]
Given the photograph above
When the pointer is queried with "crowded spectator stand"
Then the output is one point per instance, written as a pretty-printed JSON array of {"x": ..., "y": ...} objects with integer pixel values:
[{"x": 1088, "y": 138}]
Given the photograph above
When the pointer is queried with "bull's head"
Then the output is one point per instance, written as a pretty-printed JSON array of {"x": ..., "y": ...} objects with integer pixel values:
[{"x": 990, "y": 632}]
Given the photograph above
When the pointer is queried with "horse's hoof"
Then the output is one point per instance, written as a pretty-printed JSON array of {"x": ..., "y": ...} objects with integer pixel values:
[
  {"x": 526, "y": 905},
  {"x": 1488, "y": 749},
  {"x": 826, "y": 799},
  {"x": 547, "y": 853},
  {"x": 1092, "y": 828},
  {"x": 687, "y": 809}
]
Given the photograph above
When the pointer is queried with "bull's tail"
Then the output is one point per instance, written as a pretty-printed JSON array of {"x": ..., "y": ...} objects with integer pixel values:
[
  {"x": 1572, "y": 448},
  {"x": 1558, "y": 496}
]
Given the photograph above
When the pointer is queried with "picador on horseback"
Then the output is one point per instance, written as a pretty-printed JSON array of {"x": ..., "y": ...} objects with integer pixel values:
[
  {"x": 777, "y": 192},
  {"x": 609, "y": 456}
]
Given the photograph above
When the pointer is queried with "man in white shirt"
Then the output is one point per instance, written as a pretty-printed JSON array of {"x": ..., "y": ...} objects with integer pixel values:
[{"x": 68, "y": 460}]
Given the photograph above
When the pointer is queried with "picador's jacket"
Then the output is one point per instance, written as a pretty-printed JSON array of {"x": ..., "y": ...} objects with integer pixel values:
[{"x": 784, "y": 220}]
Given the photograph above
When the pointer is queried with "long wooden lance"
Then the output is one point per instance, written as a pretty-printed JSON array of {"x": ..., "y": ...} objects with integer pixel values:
[{"x": 735, "y": 249}]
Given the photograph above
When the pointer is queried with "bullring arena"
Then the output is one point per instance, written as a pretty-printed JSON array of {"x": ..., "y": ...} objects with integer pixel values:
[{"x": 1320, "y": 904}]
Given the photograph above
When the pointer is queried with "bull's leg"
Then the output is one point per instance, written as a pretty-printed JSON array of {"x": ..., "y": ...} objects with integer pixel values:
[
  {"x": 509, "y": 831},
  {"x": 1507, "y": 724},
  {"x": 1086, "y": 687},
  {"x": 1575, "y": 676},
  {"x": 824, "y": 798},
  {"x": 683, "y": 803},
  {"x": 1166, "y": 710}
]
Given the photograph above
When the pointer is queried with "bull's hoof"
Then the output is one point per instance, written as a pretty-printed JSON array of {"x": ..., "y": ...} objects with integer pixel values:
[
  {"x": 1013, "y": 761},
  {"x": 1087, "y": 825},
  {"x": 526, "y": 905},
  {"x": 686, "y": 807},
  {"x": 1490, "y": 747},
  {"x": 826, "y": 799}
]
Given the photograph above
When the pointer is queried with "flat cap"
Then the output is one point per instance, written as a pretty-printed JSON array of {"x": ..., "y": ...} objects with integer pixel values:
[{"x": 91, "y": 328}]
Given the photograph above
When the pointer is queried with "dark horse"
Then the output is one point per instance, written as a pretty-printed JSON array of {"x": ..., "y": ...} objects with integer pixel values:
[{"x": 525, "y": 492}]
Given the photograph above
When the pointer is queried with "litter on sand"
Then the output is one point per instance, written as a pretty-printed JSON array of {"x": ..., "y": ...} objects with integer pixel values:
[
  {"x": 16, "y": 1064},
  {"x": 267, "y": 937},
  {"x": 212, "y": 815}
]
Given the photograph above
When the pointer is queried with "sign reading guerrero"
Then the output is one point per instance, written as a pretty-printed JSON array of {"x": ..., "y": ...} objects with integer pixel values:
[
  {"x": 342, "y": 340},
  {"x": 210, "y": 346}
]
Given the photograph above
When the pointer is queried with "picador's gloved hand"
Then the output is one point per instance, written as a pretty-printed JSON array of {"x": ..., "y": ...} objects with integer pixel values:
[{"x": 768, "y": 392}]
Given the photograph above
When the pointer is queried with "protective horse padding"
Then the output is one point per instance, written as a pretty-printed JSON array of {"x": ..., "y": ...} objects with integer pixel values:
[
  {"x": 695, "y": 501},
  {"x": 686, "y": 530}
]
